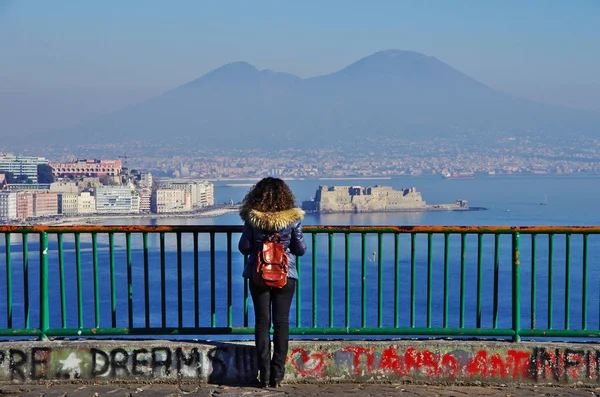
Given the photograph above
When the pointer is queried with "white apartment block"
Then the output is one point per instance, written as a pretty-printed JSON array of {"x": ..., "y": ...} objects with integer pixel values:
[
  {"x": 145, "y": 195},
  {"x": 206, "y": 194},
  {"x": 201, "y": 192},
  {"x": 67, "y": 204},
  {"x": 135, "y": 203},
  {"x": 170, "y": 200},
  {"x": 8, "y": 206},
  {"x": 86, "y": 203},
  {"x": 116, "y": 200},
  {"x": 21, "y": 165}
]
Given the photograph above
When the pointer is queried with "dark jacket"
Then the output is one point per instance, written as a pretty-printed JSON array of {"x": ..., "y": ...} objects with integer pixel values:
[{"x": 257, "y": 227}]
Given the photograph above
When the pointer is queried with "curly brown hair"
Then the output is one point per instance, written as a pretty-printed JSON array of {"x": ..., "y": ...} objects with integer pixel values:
[{"x": 269, "y": 195}]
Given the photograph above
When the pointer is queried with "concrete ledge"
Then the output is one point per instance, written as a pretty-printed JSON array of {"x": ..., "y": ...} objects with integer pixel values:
[{"x": 433, "y": 362}]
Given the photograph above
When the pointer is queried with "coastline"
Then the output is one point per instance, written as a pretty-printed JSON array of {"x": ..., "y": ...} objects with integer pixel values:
[{"x": 99, "y": 219}]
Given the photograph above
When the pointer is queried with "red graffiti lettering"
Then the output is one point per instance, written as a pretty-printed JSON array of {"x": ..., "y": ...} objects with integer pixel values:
[
  {"x": 576, "y": 365},
  {"x": 561, "y": 364},
  {"x": 391, "y": 361},
  {"x": 478, "y": 365},
  {"x": 515, "y": 365},
  {"x": 428, "y": 362},
  {"x": 411, "y": 359},
  {"x": 358, "y": 352},
  {"x": 497, "y": 367},
  {"x": 310, "y": 364},
  {"x": 519, "y": 362},
  {"x": 449, "y": 362},
  {"x": 548, "y": 365}
]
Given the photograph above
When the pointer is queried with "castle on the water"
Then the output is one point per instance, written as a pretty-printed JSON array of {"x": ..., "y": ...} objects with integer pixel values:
[{"x": 329, "y": 199}]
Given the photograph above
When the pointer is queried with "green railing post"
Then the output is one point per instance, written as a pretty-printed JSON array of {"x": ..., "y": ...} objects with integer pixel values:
[
  {"x": 61, "y": 271},
  {"x": 567, "y": 281},
  {"x": 584, "y": 292},
  {"x": 9, "y": 293},
  {"x": 463, "y": 273},
  {"x": 330, "y": 263},
  {"x": 347, "y": 279},
  {"x": 516, "y": 287},
  {"x": 314, "y": 280},
  {"x": 44, "y": 309},
  {"x": 446, "y": 278}
]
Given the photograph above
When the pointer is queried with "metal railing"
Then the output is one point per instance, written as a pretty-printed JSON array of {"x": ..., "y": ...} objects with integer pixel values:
[{"x": 508, "y": 282}]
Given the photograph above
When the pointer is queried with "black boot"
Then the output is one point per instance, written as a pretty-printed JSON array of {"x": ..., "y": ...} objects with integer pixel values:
[
  {"x": 264, "y": 380},
  {"x": 275, "y": 379}
]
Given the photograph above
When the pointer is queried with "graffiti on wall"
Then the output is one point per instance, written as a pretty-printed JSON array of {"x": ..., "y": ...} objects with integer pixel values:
[
  {"x": 536, "y": 364},
  {"x": 236, "y": 363},
  {"x": 216, "y": 364}
]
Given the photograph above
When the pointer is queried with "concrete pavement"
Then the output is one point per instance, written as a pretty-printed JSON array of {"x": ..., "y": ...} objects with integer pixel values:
[{"x": 292, "y": 390}]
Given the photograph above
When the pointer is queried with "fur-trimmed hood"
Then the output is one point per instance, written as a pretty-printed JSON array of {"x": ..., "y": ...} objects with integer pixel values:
[{"x": 277, "y": 220}]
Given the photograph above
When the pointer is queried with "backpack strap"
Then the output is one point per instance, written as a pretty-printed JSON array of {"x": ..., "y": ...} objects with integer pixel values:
[{"x": 275, "y": 237}]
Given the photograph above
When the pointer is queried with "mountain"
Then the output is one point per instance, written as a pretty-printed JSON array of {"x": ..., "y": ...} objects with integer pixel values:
[{"x": 389, "y": 93}]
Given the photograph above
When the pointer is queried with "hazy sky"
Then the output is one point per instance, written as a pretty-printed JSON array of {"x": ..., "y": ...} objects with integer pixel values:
[{"x": 63, "y": 61}]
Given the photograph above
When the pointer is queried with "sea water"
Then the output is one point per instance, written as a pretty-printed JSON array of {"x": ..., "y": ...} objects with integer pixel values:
[{"x": 510, "y": 200}]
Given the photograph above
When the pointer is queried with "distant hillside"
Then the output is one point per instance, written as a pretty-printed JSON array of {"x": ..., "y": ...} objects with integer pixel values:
[{"x": 389, "y": 93}]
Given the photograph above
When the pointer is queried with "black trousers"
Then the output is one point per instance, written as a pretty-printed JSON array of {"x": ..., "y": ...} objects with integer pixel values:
[{"x": 272, "y": 305}]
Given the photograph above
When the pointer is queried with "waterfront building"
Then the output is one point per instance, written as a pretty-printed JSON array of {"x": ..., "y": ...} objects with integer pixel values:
[
  {"x": 8, "y": 206},
  {"x": 167, "y": 200},
  {"x": 45, "y": 204},
  {"x": 116, "y": 200},
  {"x": 86, "y": 203},
  {"x": 22, "y": 165},
  {"x": 201, "y": 192},
  {"x": 206, "y": 193},
  {"x": 25, "y": 205},
  {"x": 67, "y": 203},
  {"x": 87, "y": 168}
]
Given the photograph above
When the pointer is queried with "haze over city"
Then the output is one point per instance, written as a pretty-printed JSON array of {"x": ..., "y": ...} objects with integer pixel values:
[{"x": 66, "y": 62}]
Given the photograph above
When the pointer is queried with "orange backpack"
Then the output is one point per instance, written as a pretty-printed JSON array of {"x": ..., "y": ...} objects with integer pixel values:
[{"x": 271, "y": 263}]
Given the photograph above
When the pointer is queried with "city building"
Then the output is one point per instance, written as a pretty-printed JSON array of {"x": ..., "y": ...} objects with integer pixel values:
[
  {"x": 116, "y": 200},
  {"x": 166, "y": 200},
  {"x": 21, "y": 165},
  {"x": 206, "y": 194},
  {"x": 87, "y": 168},
  {"x": 67, "y": 203},
  {"x": 25, "y": 205},
  {"x": 64, "y": 187},
  {"x": 86, "y": 203},
  {"x": 8, "y": 206},
  {"x": 201, "y": 192},
  {"x": 28, "y": 186},
  {"x": 146, "y": 179},
  {"x": 135, "y": 202},
  {"x": 145, "y": 195},
  {"x": 45, "y": 204}
]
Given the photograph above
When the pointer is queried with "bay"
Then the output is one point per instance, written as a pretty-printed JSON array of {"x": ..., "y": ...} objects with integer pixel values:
[{"x": 511, "y": 200}]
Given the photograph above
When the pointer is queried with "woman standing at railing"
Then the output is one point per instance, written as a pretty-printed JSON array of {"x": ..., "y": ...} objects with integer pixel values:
[{"x": 270, "y": 208}]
